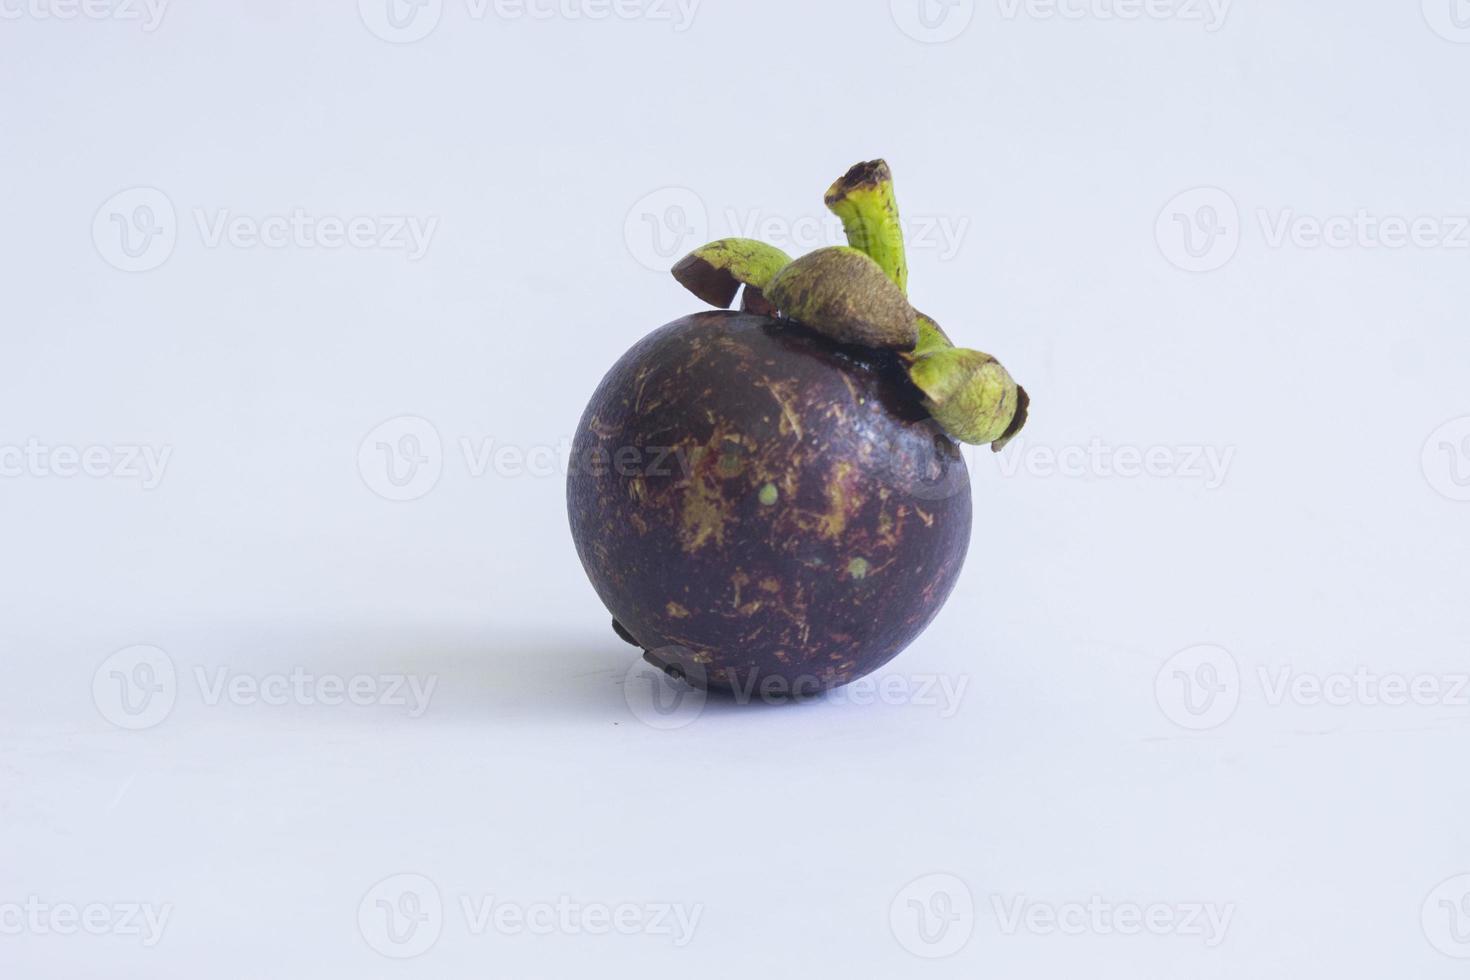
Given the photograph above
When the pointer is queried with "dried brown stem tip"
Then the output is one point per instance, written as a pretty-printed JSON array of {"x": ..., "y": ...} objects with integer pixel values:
[{"x": 844, "y": 295}]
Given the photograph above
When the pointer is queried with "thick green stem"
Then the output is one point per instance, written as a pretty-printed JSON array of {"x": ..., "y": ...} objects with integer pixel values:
[{"x": 863, "y": 198}]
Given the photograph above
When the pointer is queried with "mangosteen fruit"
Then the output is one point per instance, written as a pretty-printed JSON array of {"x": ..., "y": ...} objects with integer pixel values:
[{"x": 772, "y": 499}]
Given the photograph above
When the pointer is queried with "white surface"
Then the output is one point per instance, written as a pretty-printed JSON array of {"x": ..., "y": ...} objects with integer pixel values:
[{"x": 1054, "y": 150}]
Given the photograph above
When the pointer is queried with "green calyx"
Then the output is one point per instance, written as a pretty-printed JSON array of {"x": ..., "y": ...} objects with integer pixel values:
[
  {"x": 969, "y": 393},
  {"x": 931, "y": 337},
  {"x": 857, "y": 295},
  {"x": 715, "y": 272},
  {"x": 844, "y": 295}
]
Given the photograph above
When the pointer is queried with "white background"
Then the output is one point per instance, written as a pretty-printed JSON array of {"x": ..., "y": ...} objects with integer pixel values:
[{"x": 1129, "y": 193}]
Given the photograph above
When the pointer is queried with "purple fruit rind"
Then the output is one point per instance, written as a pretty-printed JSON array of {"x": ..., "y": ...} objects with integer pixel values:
[{"x": 754, "y": 503}]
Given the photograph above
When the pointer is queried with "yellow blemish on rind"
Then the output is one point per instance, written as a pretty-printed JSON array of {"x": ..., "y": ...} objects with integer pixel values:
[
  {"x": 769, "y": 494},
  {"x": 703, "y": 516},
  {"x": 676, "y": 611},
  {"x": 839, "y": 501},
  {"x": 782, "y": 392},
  {"x": 858, "y": 568}
]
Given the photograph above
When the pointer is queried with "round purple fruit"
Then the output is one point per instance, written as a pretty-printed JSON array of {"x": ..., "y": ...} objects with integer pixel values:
[{"x": 772, "y": 500}]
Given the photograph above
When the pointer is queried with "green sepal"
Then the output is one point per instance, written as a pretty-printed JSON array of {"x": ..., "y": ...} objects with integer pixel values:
[{"x": 715, "y": 272}]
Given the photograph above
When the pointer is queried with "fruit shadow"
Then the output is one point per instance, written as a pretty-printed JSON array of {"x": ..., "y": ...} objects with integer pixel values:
[
  {"x": 550, "y": 676},
  {"x": 574, "y": 676},
  {"x": 483, "y": 674},
  {"x": 571, "y": 677},
  {"x": 466, "y": 672}
]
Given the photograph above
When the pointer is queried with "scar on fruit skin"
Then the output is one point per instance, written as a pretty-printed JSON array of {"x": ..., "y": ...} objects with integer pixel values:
[
  {"x": 782, "y": 393},
  {"x": 840, "y": 500},
  {"x": 703, "y": 516}
]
